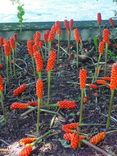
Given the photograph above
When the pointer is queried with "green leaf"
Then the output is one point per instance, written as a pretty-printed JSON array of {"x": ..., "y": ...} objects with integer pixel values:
[{"x": 64, "y": 143}]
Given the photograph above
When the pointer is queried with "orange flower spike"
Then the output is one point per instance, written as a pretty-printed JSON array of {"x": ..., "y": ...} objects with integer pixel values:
[
  {"x": 51, "y": 61},
  {"x": 67, "y": 137},
  {"x": 12, "y": 43},
  {"x": 1, "y": 41},
  {"x": 74, "y": 141},
  {"x": 40, "y": 44},
  {"x": 66, "y": 24},
  {"x": 83, "y": 77},
  {"x": 97, "y": 138},
  {"x": 19, "y": 105},
  {"x": 76, "y": 35},
  {"x": 38, "y": 61},
  {"x": 19, "y": 90},
  {"x": 112, "y": 24},
  {"x": 26, "y": 151},
  {"x": 66, "y": 104},
  {"x": 45, "y": 36},
  {"x": 71, "y": 23},
  {"x": 39, "y": 88},
  {"x": 101, "y": 82},
  {"x": 51, "y": 35},
  {"x": 113, "y": 82},
  {"x": 7, "y": 50},
  {"x": 33, "y": 103},
  {"x": 99, "y": 18},
  {"x": 1, "y": 84},
  {"x": 106, "y": 35},
  {"x": 58, "y": 27},
  {"x": 68, "y": 128},
  {"x": 101, "y": 47},
  {"x": 93, "y": 86},
  {"x": 25, "y": 141},
  {"x": 35, "y": 48},
  {"x": 30, "y": 47}
]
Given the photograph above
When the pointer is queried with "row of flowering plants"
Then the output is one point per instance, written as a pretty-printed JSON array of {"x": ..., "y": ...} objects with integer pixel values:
[{"x": 44, "y": 58}]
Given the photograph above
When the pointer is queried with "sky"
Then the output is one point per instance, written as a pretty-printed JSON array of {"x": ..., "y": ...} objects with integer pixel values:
[{"x": 52, "y": 10}]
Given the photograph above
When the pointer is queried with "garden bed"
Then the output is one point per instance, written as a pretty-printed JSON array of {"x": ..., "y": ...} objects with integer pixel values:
[{"x": 65, "y": 85}]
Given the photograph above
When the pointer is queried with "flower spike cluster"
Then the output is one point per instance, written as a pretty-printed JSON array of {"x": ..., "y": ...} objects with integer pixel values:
[
  {"x": 51, "y": 61},
  {"x": 66, "y": 104},
  {"x": 19, "y": 90},
  {"x": 38, "y": 61},
  {"x": 39, "y": 88},
  {"x": 113, "y": 82},
  {"x": 83, "y": 78}
]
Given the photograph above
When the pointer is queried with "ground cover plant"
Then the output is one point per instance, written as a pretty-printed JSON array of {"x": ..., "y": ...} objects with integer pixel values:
[{"x": 59, "y": 97}]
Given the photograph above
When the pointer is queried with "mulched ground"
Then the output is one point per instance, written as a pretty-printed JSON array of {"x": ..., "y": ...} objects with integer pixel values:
[{"x": 64, "y": 86}]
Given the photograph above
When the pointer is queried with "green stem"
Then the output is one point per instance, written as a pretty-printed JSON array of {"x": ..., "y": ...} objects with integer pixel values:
[
  {"x": 40, "y": 138},
  {"x": 106, "y": 58},
  {"x": 33, "y": 66},
  {"x": 13, "y": 51},
  {"x": 49, "y": 47},
  {"x": 10, "y": 65},
  {"x": 95, "y": 74},
  {"x": 42, "y": 54},
  {"x": 58, "y": 49},
  {"x": 2, "y": 104},
  {"x": 110, "y": 110},
  {"x": 96, "y": 148},
  {"x": 39, "y": 75},
  {"x": 45, "y": 50},
  {"x": 81, "y": 106},
  {"x": 7, "y": 68},
  {"x": 112, "y": 131},
  {"x": 38, "y": 115},
  {"x": 69, "y": 32},
  {"x": 77, "y": 54},
  {"x": 49, "y": 81}
]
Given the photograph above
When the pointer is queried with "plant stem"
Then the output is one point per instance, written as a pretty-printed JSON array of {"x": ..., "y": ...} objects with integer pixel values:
[
  {"x": 96, "y": 148},
  {"x": 41, "y": 137},
  {"x": 106, "y": 57},
  {"x": 7, "y": 68},
  {"x": 10, "y": 64},
  {"x": 39, "y": 75},
  {"x": 45, "y": 50},
  {"x": 49, "y": 47},
  {"x": 96, "y": 74},
  {"x": 1, "y": 101},
  {"x": 81, "y": 106},
  {"x": 13, "y": 51},
  {"x": 49, "y": 81},
  {"x": 110, "y": 110},
  {"x": 58, "y": 49},
  {"x": 69, "y": 34},
  {"x": 38, "y": 115},
  {"x": 77, "y": 54},
  {"x": 33, "y": 65}
]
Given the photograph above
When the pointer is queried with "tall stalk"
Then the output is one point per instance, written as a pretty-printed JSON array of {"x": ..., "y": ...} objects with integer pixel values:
[
  {"x": 33, "y": 65},
  {"x": 2, "y": 104},
  {"x": 38, "y": 115},
  {"x": 49, "y": 81},
  {"x": 110, "y": 110},
  {"x": 77, "y": 54},
  {"x": 96, "y": 69},
  {"x": 58, "y": 54},
  {"x": 81, "y": 106},
  {"x": 7, "y": 68},
  {"x": 106, "y": 58}
]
